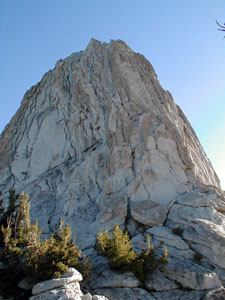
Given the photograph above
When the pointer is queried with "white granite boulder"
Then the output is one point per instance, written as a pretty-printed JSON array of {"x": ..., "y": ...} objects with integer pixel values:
[
  {"x": 65, "y": 288},
  {"x": 202, "y": 223},
  {"x": 175, "y": 245},
  {"x": 69, "y": 291},
  {"x": 191, "y": 275},
  {"x": 112, "y": 279},
  {"x": 158, "y": 282},
  {"x": 126, "y": 294},
  {"x": 71, "y": 276}
]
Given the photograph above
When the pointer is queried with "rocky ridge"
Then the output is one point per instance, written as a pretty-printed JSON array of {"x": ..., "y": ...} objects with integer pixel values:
[{"x": 98, "y": 141}]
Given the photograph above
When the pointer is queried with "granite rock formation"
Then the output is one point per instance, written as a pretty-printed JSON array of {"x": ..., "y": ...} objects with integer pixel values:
[
  {"x": 65, "y": 288},
  {"x": 98, "y": 142}
]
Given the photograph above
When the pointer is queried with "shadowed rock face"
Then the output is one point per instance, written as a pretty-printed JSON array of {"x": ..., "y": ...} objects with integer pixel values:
[{"x": 98, "y": 141}]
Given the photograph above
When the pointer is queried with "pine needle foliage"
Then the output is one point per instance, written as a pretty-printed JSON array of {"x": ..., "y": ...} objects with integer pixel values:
[
  {"x": 148, "y": 261},
  {"x": 53, "y": 257},
  {"x": 8, "y": 215},
  {"x": 26, "y": 255},
  {"x": 1, "y": 206},
  {"x": 118, "y": 250}
]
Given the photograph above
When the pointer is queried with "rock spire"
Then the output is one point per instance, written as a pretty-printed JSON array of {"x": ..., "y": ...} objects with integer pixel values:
[{"x": 98, "y": 142}]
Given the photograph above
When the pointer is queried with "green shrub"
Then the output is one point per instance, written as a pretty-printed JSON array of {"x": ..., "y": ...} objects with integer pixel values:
[
  {"x": 1, "y": 207},
  {"x": 53, "y": 257},
  {"x": 197, "y": 256},
  {"x": 10, "y": 214},
  {"x": 25, "y": 255},
  {"x": 177, "y": 230},
  {"x": 148, "y": 261},
  {"x": 118, "y": 250}
]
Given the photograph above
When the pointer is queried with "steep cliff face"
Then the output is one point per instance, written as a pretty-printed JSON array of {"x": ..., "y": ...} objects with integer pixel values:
[{"x": 98, "y": 141}]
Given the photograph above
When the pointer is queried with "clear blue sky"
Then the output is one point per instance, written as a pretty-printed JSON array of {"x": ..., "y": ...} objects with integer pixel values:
[{"x": 179, "y": 37}]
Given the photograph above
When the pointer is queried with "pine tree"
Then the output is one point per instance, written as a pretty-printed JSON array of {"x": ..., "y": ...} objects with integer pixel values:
[
  {"x": 9, "y": 215},
  {"x": 1, "y": 207},
  {"x": 118, "y": 248},
  {"x": 25, "y": 255}
]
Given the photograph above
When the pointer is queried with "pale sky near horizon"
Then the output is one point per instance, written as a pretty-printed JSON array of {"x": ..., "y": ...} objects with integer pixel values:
[{"x": 179, "y": 37}]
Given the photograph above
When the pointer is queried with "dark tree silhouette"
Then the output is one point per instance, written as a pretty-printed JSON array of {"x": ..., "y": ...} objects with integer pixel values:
[{"x": 221, "y": 27}]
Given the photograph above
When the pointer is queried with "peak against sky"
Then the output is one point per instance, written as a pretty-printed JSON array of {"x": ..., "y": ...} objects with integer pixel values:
[{"x": 179, "y": 37}]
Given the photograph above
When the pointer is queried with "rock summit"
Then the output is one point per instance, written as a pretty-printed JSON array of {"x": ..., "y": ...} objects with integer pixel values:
[{"x": 98, "y": 142}]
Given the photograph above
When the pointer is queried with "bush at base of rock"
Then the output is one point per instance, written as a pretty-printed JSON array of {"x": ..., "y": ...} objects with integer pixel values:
[
  {"x": 24, "y": 255},
  {"x": 197, "y": 256},
  {"x": 118, "y": 250},
  {"x": 9, "y": 214},
  {"x": 148, "y": 261},
  {"x": 177, "y": 231},
  {"x": 54, "y": 256}
]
